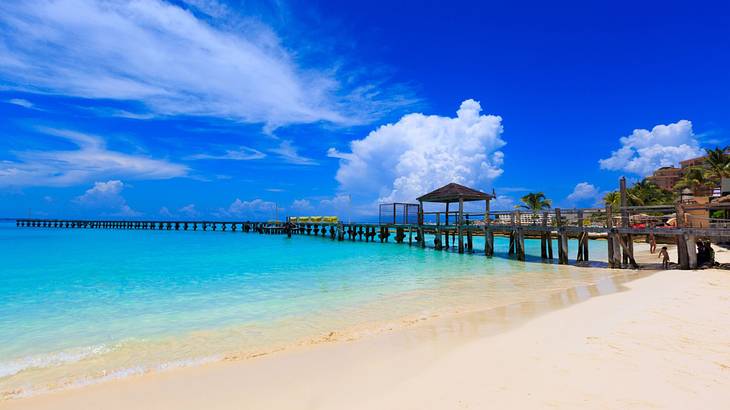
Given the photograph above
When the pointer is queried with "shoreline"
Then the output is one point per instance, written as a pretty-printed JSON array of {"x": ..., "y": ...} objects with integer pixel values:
[
  {"x": 500, "y": 317},
  {"x": 454, "y": 293},
  {"x": 651, "y": 351},
  {"x": 401, "y": 356}
]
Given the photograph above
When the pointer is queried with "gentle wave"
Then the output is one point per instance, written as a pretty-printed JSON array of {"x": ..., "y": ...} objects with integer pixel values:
[
  {"x": 112, "y": 375},
  {"x": 50, "y": 359}
]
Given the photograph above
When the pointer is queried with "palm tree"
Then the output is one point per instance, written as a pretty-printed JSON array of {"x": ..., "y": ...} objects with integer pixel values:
[
  {"x": 535, "y": 202},
  {"x": 646, "y": 192},
  {"x": 694, "y": 178},
  {"x": 641, "y": 193},
  {"x": 612, "y": 199},
  {"x": 718, "y": 164}
]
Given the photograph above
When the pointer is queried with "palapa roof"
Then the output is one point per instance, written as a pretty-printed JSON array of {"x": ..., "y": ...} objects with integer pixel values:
[{"x": 453, "y": 192}]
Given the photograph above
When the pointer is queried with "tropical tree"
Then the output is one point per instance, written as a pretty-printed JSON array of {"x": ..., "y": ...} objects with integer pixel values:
[
  {"x": 642, "y": 193},
  {"x": 647, "y": 193},
  {"x": 612, "y": 199},
  {"x": 718, "y": 164},
  {"x": 535, "y": 202},
  {"x": 694, "y": 178}
]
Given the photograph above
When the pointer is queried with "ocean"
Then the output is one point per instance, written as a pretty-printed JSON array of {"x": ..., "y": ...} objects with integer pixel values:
[{"x": 81, "y": 306}]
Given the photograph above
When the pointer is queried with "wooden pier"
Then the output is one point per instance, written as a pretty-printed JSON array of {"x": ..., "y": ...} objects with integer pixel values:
[
  {"x": 679, "y": 224},
  {"x": 257, "y": 227}
]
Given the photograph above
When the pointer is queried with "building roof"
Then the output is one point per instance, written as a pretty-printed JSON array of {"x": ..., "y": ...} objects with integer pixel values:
[{"x": 453, "y": 192}]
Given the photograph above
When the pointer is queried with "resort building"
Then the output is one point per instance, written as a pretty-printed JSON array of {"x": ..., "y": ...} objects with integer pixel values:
[
  {"x": 693, "y": 162},
  {"x": 666, "y": 177}
]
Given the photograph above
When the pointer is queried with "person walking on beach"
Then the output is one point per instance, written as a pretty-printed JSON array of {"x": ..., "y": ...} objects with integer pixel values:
[
  {"x": 652, "y": 243},
  {"x": 665, "y": 257}
]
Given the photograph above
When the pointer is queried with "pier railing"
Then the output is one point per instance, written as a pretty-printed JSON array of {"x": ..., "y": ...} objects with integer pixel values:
[{"x": 682, "y": 224}]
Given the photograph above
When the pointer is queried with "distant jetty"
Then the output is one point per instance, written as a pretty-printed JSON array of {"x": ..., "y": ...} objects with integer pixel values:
[{"x": 681, "y": 223}]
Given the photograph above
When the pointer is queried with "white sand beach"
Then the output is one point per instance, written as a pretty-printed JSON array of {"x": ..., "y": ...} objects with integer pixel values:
[{"x": 662, "y": 343}]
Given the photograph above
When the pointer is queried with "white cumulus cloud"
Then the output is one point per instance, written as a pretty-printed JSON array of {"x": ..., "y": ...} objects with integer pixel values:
[
  {"x": 301, "y": 205},
  {"x": 644, "y": 151},
  {"x": 107, "y": 196},
  {"x": 189, "y": 211},
  {"x": 401, "y": 161},
  {"x": 502, "y": 203},
  {"x": 582, "y": 191},
  {"x": 258, "y": 209},
  {"x": 164, "y": 56}
]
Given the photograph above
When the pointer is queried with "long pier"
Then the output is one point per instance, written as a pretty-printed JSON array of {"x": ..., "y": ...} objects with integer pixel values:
[
  {"x": 259, "y": 227},
  {"x": 554, "y": 227}
]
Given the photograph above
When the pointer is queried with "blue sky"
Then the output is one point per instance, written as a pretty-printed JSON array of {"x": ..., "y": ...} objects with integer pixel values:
[{"x": 205, "y": 108}]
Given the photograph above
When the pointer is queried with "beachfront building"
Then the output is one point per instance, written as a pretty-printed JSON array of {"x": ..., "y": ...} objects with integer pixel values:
[
  {"x": 693, "y": 162},
  {"x": 666, "y": 177}
]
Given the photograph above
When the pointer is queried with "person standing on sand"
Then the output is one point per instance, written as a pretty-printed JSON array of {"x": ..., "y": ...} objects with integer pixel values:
[
  {"x": 652, "y": 243},
  {"x": 665, "y": 257}
]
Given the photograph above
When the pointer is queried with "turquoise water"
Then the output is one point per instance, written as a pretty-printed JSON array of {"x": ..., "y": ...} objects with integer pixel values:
[{"x": 83, "y": 305}]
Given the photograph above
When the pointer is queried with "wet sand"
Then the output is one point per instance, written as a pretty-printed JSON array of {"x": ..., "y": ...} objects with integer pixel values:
[{"x": 663, "y": 343}]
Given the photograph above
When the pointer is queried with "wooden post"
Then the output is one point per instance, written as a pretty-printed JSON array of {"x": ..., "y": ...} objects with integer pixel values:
[
  {"x": 461, "y": 224},
  {"x": 420, "y": 212},
  {"x": 511, "y": 249},
  {"x": 609, "y": 237},
  {"x": 519, "y": 238},
  {"x": 544, "y": 236},
  {"x": 399, "y": 235},
  {"x": 446, "y": 227},
  {"x": 579, "y": 255},
  {"x": 469, "y": 241},
  {"x": 691, "y": 241},
  {"x": 629, "y": 255},
  {"x": 488, "y": 234},
  {"x": 614, "y": 244},
  {"x": 489, "y": 245},
  {"x": 628, "y": 240},
  {"x": 549, "y": 240},
  {"x": 682, "y": 246},
  {"x": 585, "y": 245},
  {"x": 562, "y": 239}
]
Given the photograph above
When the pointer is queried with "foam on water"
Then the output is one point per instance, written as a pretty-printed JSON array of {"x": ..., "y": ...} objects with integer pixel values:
[
  {"x": 80, "y": 306},
  {"x": 49, "y": 360}
]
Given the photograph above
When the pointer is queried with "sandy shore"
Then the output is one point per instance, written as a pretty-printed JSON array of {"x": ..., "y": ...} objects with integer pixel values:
[{"x": 664, "y": 343}]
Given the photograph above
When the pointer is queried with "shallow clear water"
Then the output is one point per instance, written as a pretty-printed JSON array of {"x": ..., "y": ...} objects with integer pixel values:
[{"x": 78, "y": 306}]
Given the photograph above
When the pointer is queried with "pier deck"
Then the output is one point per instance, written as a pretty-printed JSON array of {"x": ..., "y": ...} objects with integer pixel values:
[{"x": 553, "y": 227}]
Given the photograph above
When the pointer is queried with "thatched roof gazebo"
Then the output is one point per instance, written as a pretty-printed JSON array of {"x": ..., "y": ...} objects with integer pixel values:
[{"x": 455, "y": 193}]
